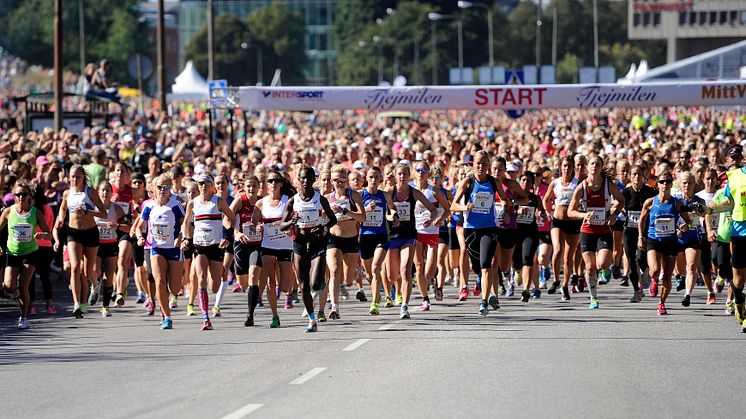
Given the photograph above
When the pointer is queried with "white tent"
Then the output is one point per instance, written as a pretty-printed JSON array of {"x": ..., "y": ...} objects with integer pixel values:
[{"x": 190, "y": 85}]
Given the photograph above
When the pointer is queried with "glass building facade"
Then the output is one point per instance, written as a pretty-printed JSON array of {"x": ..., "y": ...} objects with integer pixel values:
[{"x": 318, "y": 39}]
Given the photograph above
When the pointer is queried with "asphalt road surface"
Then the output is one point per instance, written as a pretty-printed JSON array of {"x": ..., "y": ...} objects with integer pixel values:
[{"x": 546, "y": 358}]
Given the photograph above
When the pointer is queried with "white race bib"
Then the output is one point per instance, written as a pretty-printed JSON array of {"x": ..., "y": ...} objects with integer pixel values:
[
  {"x": 273, "y": 232},
  {"x": 482, "y": 202},
  {"x": 159, "y": 232},
  {"x": 598, "y": 217},
  {"x": 308, "y": 217},
  {"x": 633, "y": 218},
  {"x": 404, "y": 210},
  {"x": 374, "y": 218},
  {"x": 203, "y": 235},
  {"x": 714, "y": 221},
  {"x": 665, "y": 227},
  {"x": 499, "y": 213},
  {"x": 564, "y": 198},
  {"x": 256, "y": 236},
  {"x": 23, "y": 232},
  {"x": 526, "y": 215},
  {"x": 105, "y": 233}
]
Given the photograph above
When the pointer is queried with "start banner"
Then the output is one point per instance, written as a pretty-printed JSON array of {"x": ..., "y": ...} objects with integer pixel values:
[{"x": 418, "y": 98}]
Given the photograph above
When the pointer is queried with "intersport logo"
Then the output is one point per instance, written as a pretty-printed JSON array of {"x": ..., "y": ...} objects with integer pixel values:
[{"x": 314, "y": 95}]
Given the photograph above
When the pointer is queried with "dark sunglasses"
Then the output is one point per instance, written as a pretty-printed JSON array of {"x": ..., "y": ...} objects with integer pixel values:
[
  {"x": 340, "y": 180},
  {"x": 275, "y": 180},
  {"x": 203, "y": 183},
  {"x": 667, "y": 181},
  {"x": 163, "y": 187},
  {"x": 422, "y": 170},
  {"x": 22, "y": 194}
]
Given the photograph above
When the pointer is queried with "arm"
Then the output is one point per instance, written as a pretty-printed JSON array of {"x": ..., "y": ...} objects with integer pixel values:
[
  {"x": 330, "y": 213},
  {"x": 42, "y": 224},
  {"x": 429, "y": 205},
  {"x": 392, "y": 215},
  {"x": 99, "y": 211},
  {"x": 290, "y": 217},
  {"x": 443, "y": 201},
  {"x": 521, "y": 197},
  {"x": 456, "y": 205},
  {"x": 616, "y": 207},
  {"x": 574, "y": 210},
  {"x": 642, "y": 225},
  {"x": 238, "y": 235},
  {"x": 358, "y": 215},
  {"x": 548, "y": 197},
  {"x": 188, "y": 227}
]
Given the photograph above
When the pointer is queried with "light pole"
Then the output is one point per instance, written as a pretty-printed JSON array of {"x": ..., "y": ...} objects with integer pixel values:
[
  {"x": 467, "y": 5},
  {"x": 434, "y": 17},
  {"x": 259, "y": 70},
  {"x": 595, "y": 38},
  {"x": 377, "y": 40},
  {"x": 210, "y": 41},
  {"x": 161, "y": 45},
  {"x": 81, "y": 35},
  {"x": 58, "y": 64}
]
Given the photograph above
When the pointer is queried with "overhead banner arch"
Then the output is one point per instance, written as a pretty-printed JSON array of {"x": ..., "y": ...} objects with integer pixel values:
[{"x": 504, "y": 97}]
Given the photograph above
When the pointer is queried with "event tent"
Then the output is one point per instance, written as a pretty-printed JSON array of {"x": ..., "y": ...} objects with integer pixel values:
[{"x": 190, "y": 85}]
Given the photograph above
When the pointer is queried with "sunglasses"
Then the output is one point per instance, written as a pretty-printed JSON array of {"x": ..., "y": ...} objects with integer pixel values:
[
  {"x": 203, "y": 183},
  {"x": 423, "y": 171},
  {"x": 340, "y": 180},
  {"x": 22, "y": 194},
  {"x": 274, "y": 180},
  {"x": 665, "y": 182},
  {"x": 436, "y": 177},
  {"x": 163, "y": 187}
]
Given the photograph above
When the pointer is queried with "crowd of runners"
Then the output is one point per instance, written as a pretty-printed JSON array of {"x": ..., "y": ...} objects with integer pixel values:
[{"x": 310, "y": 209}]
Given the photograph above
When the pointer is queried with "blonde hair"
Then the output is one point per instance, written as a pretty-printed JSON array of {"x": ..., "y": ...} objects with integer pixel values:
[{"x": 341, "y": 169}]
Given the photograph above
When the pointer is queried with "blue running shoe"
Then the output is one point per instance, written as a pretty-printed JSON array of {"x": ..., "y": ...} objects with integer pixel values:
[
  {"x": 483, "y": 309},
  {"x": 312, "y": 328},
  {"x": 593, "y": 304},
  {"x": 167, "y": 324},
  {"x": 536, "y": 294}
]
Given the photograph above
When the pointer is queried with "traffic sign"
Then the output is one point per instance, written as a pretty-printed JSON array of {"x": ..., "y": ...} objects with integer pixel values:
[{"x": 515, "y": 77}]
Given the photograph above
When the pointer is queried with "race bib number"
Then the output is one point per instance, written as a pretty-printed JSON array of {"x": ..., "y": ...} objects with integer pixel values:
[
  {"x": 273, "y": 233},
  {"x": 665, "y": 227},
  {"x": 308, "y": 217},
  {"x": 598, "y": 216},
  {"x": 159, "y": 232},
  {"x": 564, "y": 198},
  {"x": 203, "y": 235},
  {"x": 105, "y": 232},
  {"x": 256, "y": 236},
  {"x": 633, "y": 218},
  {"x": 499, "y": 213},
  {"x": 23, "y": 232},
  {"x": 403, "y": 210},
  {"x": 525, "y": 215},
  {"x": 374, "y": 218},
  {"x": 714, "y": 221},
  {"x": 482, "y": 202}
]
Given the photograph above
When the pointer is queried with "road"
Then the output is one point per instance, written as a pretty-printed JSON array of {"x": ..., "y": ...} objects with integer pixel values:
[{"x": 546, "y": 358}]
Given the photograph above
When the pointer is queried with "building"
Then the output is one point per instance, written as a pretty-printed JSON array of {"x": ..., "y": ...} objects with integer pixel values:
[
  {"x": 192, "y": 16},
  {"x": 689, "y": 27}
]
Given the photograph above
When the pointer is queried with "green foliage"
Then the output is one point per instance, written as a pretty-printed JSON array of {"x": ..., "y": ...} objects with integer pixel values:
[
  {"x": 567, "y": 68},
  {"x": 281, "y": 30},
  {"x": 231, "y": 61}
]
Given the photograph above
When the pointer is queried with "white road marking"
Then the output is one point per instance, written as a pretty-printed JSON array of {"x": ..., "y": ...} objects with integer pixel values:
[
  {"x": 307, "y": 376},
  {"x": 243, "y": 412},
  {"x": 358, "y": 343},
  {"x": 386, "y": 326}
]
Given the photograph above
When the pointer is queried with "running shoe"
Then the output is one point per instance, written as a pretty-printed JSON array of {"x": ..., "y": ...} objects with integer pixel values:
[
  {"x": 662, "y": 309},
  {"x": 181, "y": 292},
  {"x": 463, "y": 294},
  {"x": 51, "y": 309},
  {"x": 743, "y": 327},
  {"x": 249, "y": 321},
  {"x": 740, "y": 314},
  {"x": 173, "y": 302},
  {"x": 720, "y": 284},
  {"x": 231, "y": 278},
  {"x": 260, "y": 303},
  {"x": 167, "y": 324},
  {"x": 389, "y": 302},
  {"x": 603, "y": 277},
  {"x": 730, "y": 308},
  {"x": 574, "y": 279},
  {"x": 686, "y": 301},
  {"x": 536, "y": 293},
  {"x": 553, "y": 288},
  {"x": 425, "y": 306},
  {"x": 547, "y": 273},
  {"x": 439, "y": 294},
  {"x": 653, "y": 290},
  {"x": 321, "y": 317},
  {"x": 593, "y": 304},
  {"x": 582, "y": 284},
  {"x": 312, "y": 328},
  {"x": 32, "y": 311},
  {"x": 119, "y": 300},
  {"x": 84, "y": 308},
  {"x": 288, "y": 302},
  {"x": 636, "y": 297},
  {"x": 334, "y": 315},
  {"x": 304, "y": 314},
  {"x": 483, "y": 309},
  {"x": 510, "y": 289},
  {"x": 374, "y": 309},
  {"x": 616, "y": 272},
  {"x": 399, "y": 299},
  {"x": 190, "y": 310},
  {"x": 275, "y": 322},
  {"x": 237, "y": 288},
  {"x": 494, "y": 302},
  {"x": 543, "y": 284},
  {"x": 518, "y": 279},
  {"x": 700, "y": 282},
  {"x": 105, "y": 312},
  {"x": 216, "y": 312},
  {"x": 645, "y": 280},
  {"x": 360, "y": 295},
  {"x": 575, "y": 289},
  {"x": 151, "y": 307},
  {"x": 449, "y": 280},
  {"x": 501, "y": 289},
  {"x": 680, "y": 283},
  {"x": 77, "y": 313},
  {"x": 93, "y": 296},
  {"x": 565, "y": 294},
  {"x": 294, "y": 296},
  {"x": 22, "y": 323},
  {"x": 525, "y": 296},
  {"x": 141, "y": 297},
  {"x": 206, "y": 324},
  {"x": 625, "y": 281},
  {"x": 477, "y": 289},
  {"x": 344, "y": 292},
  {"x": 404, "y": 312}
]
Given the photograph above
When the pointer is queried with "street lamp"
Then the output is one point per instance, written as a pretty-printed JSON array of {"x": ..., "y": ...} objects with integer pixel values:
[
  {"x": 434, "y": 17},
  {"x": 378, "y": 40},
  {"x": 259, "y": 72},
  {"x": 467, "y": 5}
]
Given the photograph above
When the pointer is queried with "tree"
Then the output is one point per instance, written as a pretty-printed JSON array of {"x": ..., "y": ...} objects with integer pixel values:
[
  {"x": 567, "y": 68},
  {"x": 231, "y": 61},
  {"x": 281, "y": 30}
]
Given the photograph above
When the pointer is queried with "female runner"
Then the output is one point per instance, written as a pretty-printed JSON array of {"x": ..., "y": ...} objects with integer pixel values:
[{"x": 248, "y": 243}]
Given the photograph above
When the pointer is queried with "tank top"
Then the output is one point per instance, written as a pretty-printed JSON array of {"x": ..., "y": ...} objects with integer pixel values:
[
  {"x": 79, "y": 200},
  {"x": 714, "y": 217},
  {"x": 633, "y": 202},
  {"x": 164, "y": 222},
  {"x": 422, "y": 214},
  {"x": 123, "y": 199},
  {"x": 245, "y": 216},
  {"x": 598, "y": 202},
  {"x": 505, "y": 218},
  {"x": 457, "y": 218},
  {"x": 21, "y": 231},
  {"x": 663, "y": 220},
  {"x": 563, "y": 194},
  {"x": 309, "y": 212},
  {"x": 273, "y": 237},
  {"x": 543, "y": 226},
  {"x": 443, "y": 228},
  {"x": 107, "y": 234},
  {"x": 404, "y": 209},
  {"x": 345, "y": 202},
  {"x": 375, "y": 220},
  {"x": 48, "y": 215},
  {"x": 208, "y": 225},
  {"x": 694, "y": 233},
  {"x": 482, "y": 197},
  {"x": 526, "y": 214}
]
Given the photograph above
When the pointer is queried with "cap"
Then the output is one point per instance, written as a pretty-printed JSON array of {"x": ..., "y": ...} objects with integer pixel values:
[
  {"x": 138, "y": 176},
  {"x": 204, "y": 177},
  {"x": 468, "y": 159},
  {"x": 42, "y": 161},
  {"x": 735, "y": 150},
  {"x": 199, "y": 168},
  {"x": 359, "y": 165},
  {"x": 127, "y": 138},
  {"x": 177, "y": 170},
  {"x": 510, "y": 167}
]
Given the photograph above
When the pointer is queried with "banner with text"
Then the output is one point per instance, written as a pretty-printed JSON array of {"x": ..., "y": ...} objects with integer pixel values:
[{"x": 417, "y": 98}]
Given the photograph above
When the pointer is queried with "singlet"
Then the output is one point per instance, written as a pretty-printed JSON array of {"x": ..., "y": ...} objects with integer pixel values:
[
  {"x": 309, "y": 212},
  {"x": 344, "y": 202},
  {"x": 443, "y": 227},
  {"x": 482, "y": 197},
  {"x": 21, "y": 231},
  {"x": 375, "y": 220},
  {"x": 526, "y": 214},
  {"x": 208, "y": 225},
  {"x": 49, "y": 218},
  {"x": 505, "y": 218},
  {"x": 404, "y": 209},
  {"x": 457, "y": 219},
  {"x": 544, "y": 226},
  {"x": 633, "y": 202},
  {"x": 79, "y": 200},
  {"x": 164, "y": 222},
  {"x": 146, "y": 206},
  {"x": 274, "y": 238},
  {"x": 107, "y": 234},
  {"x": 245, "y": 216},
  {"x": 694, "y": 233},
  {"x": 123, "y": 200},
  {"x": 598, "y": 202},
  {"x": 422, "y": 214},
  {"x": 663, "y": 220},
  {"x": 563, "y": 194},
  {"x": 714, "y": 217}
]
